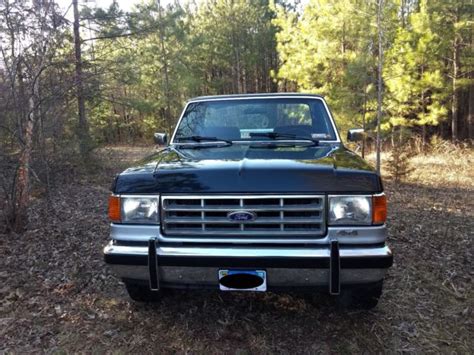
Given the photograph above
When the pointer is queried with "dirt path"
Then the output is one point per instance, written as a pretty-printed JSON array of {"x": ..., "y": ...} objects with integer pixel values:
[{"x": 57, "y": 294}]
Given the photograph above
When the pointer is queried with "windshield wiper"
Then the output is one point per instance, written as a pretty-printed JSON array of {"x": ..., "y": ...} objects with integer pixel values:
[
  {"x": 200, "y": 139},
  {"x": 276, "y": 136}
]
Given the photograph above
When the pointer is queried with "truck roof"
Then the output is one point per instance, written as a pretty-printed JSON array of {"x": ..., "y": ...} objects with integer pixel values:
[{"x": 237, "y": 96}]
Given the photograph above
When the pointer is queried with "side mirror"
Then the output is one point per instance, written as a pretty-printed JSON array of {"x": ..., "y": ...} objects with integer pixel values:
[
  {"x": 161, "y": 138},
  {"x": 355, "y": 134}
]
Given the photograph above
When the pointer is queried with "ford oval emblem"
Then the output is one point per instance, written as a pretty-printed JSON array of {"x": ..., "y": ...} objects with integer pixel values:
[{"x": 241, "y": 216}]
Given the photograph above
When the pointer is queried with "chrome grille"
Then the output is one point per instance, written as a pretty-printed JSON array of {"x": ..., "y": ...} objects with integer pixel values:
[{"x": 276, "y": 216}]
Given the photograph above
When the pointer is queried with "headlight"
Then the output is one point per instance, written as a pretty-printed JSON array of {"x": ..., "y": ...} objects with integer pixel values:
[
  {"x": 350, "y": 210},
  {"x": 140, "y": 209}
]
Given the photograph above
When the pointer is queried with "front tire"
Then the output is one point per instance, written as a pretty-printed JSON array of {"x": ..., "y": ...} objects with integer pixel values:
[
  {"x": 142, "y": 293},
  {"x": 361, "y": 297}
]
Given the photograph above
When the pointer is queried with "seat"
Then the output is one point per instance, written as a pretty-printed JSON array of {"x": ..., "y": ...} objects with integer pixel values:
[{"x": 231, "y": 133}]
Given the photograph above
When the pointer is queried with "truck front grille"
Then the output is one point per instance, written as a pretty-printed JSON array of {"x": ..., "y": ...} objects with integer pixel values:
[{"x": 274, "y": 216}]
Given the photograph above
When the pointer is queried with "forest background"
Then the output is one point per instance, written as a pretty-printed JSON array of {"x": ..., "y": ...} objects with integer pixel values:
[{"x": 76, "y": 79}]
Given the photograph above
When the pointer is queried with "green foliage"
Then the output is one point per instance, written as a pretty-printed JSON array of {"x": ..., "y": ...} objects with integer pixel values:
[
  {"x": 413, "y": 74},
  {"x": 233, "y": 46},
  {"x": 140, "y": 67},
  {"x": 176, "y": 53},
  {"x": 151, "y": 60},
  {"x": 330, "y": 47}
]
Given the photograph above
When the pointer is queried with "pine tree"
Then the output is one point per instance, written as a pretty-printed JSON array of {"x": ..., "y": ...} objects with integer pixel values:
[
  {"x": 331, "y": 49},
  {"x": 398, "y": 164},
  {"x": 414, "y": 73}
]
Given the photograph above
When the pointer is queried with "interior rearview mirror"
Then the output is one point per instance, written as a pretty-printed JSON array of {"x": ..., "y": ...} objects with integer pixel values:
[
  {"x": 161, "y": 138},
  {"x": 355, "y": 134}
]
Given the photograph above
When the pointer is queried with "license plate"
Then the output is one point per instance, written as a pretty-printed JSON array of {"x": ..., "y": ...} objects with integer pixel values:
[{"x": 243, "y": 280}]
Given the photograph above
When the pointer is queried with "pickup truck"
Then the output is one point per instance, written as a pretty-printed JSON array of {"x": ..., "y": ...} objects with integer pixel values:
[{"x": 252, "y": 192}]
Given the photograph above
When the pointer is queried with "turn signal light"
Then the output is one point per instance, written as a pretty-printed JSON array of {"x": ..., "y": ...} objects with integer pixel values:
[
  {"x": 379, "y": 209},
  {"x": 114, "y": 208}
]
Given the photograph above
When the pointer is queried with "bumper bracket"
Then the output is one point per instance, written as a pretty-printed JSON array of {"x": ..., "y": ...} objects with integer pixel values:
[
  {"x": 335, "y": 269},
  {"x": 153, "y": 265}
]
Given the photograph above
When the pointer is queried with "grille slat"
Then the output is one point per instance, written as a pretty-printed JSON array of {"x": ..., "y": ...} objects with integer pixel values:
[
  {"x": 312, "y": 207},
  {"x": 260, "y": 220},
  {"x": 276, "y": 216}
]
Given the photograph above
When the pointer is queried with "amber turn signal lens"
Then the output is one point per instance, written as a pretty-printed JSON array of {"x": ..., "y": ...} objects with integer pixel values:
[
  {"x": 379, "y": 209},
  {"x": 114, "y": 208}
]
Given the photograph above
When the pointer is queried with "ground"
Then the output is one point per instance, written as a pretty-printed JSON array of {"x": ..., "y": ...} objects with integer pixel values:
[{"x": 58, "y": 296}]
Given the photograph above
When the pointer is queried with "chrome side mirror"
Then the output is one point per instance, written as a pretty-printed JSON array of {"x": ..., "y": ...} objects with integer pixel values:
[
  {"x": 161, "y": 138},
  {"x": 355, "y": 134}
]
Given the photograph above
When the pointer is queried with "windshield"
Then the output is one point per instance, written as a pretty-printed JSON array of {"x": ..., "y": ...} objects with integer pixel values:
[{"x": 247, "y": 119}]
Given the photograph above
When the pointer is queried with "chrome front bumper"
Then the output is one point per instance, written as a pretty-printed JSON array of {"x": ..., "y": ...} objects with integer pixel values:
[{"x": 329, "y": 265}]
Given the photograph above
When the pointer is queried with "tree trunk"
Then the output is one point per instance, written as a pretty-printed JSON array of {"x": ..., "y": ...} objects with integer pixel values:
[
  {"x": 423, "y": 138},
  {"x": 455, "y": 92},
  {"x": 238, "y": 71},
  {"x": 22, "y": 179},
  {"x": 379, "y": 80},
  {"x": 164, "y": 59},
  {"x": 364, "y": 112},
  {"x": 83, "y": 127},
  {"x": 403, "y": 13},
  {"x": 423, "y": 111},
  {"x": 470, "y": 115}
]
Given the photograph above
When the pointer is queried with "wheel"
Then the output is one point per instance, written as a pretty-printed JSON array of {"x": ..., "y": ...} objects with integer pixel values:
[
  {"x": 142, "y": 293},
  {"x": 361, "y": 297}
]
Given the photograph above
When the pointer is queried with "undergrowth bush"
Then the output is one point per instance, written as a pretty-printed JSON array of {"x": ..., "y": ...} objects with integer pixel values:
[{"x": 398, "y": 164}]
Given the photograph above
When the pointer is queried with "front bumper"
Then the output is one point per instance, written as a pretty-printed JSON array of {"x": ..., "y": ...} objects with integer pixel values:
[{"x": 329, "y": 265}]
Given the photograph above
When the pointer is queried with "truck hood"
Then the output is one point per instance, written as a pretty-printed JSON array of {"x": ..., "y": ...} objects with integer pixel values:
[{"x": 250, "y": 169}]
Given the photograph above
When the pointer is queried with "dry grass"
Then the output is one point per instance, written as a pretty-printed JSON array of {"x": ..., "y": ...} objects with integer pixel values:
[
  {"x": 453, "y": 167},
  {"x": 58, "y": 296}
]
